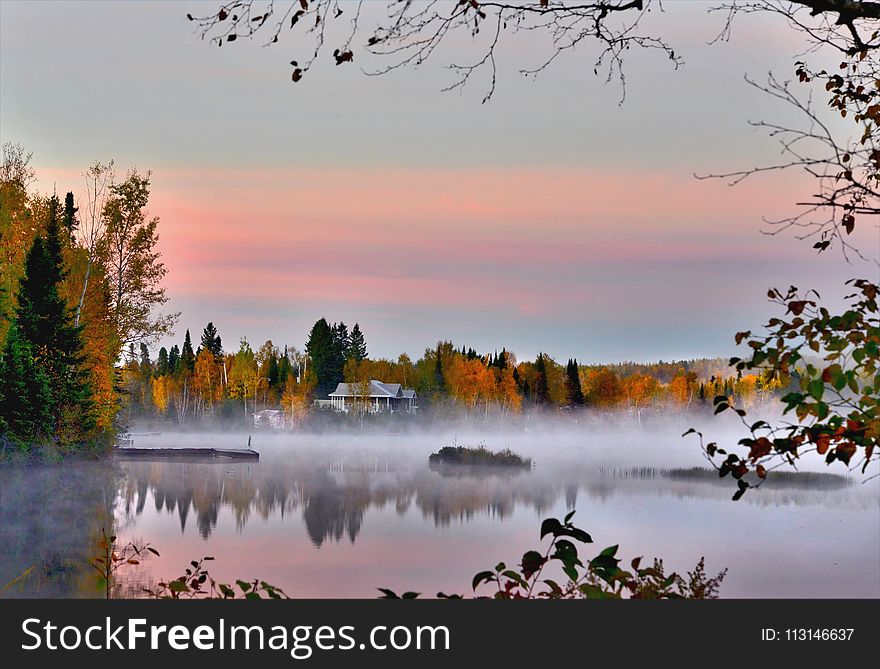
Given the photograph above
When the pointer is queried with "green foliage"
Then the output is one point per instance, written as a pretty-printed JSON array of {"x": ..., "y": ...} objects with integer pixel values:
[
  {"x": 25, "y": 398},
  {"x": 211, "y": 340},
  {"x": 43, "y": 361},
  {"x": 598, "y": 578},
  {"x": 196, "y": 582},
  {"x": 323, "y": 348},
  {"x": 187, "y": 355},
  {"x": 836, "y": 403},
  {"x": 357, "y": 344},
  {"x": 574, "y": 394}
]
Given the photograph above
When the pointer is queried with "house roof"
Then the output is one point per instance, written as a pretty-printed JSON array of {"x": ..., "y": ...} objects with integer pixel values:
[{"x": 377, "y": 389}]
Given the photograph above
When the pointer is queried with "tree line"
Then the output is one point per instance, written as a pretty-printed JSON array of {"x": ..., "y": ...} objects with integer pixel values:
[{"x": 209, "y": 384}]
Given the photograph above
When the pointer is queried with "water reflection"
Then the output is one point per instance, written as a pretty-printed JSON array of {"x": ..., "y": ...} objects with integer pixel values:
[{"x": 333, "y": 497}]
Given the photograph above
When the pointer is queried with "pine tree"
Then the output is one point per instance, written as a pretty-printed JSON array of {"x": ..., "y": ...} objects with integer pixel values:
[
  {"x": 25, "y": 397},
  {"x": 540, "y": 387},
  {"x": 342, "y": 342},
  {"x": 321, "y": 348},
  {"x": 272, "y": 370},
  {"x": 574, "y": 394},
  {"x": 70, "y": 222},
  {"x": 284, "y": 370},
  {"x": 211, "y": 340},
  {"x": 187, "y": 356},
  {"x": 357, "y": 344},
  {"x": 45, "y": 323},
  {"x": 146, "y": 364},
  {"x": 173, "y": 359},
  {"x": 162, "y": 362},
  {"x": 439, "y": 381}
]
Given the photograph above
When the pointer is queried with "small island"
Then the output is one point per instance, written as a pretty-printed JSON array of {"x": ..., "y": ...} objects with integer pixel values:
[{"x": 480, "y": 455}]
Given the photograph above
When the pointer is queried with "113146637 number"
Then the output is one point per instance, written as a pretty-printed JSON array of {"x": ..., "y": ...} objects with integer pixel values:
[{"x": 819, "y": 634}]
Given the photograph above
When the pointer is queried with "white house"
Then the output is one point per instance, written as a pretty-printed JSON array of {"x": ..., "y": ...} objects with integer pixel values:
[{"x": 376, "y": 396}]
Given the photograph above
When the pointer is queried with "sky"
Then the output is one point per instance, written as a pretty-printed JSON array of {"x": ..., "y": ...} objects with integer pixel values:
[{"x": 552, "y": 218}]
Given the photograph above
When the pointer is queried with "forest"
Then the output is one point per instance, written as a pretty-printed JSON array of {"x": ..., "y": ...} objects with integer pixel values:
[{"x": 79, "y": 288}]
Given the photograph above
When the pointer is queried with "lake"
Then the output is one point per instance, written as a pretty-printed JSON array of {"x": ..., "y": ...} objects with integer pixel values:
[{"x": 340, "y": 515}]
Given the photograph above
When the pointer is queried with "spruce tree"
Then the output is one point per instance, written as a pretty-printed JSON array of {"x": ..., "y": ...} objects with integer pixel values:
[
  {"x": 439, "y": 381},
  {"x": 70, "y": 222},
  {"x": 173, "y": 359},
  {"x": 45, "y": 323},
  {"x": 162, "y": 362},
  {"x": 187, "y": 357},
  {"x": 211, "y": 340},
  {"x": 146, "y": 364},
  {"x": 358, "y": 344},
  {"x": 321, "y": 348},
  {"x": 540, "y": 388},
  {"x": 574, "y": 394},
  {"x": 25, "y": 397},
  {"x": 342, "y": 343}
]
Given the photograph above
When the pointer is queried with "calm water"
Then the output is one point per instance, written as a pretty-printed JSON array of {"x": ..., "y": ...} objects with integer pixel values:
[{"x": 341, "y": 516}]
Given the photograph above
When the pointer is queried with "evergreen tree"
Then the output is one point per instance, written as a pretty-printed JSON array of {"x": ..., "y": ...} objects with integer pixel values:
[
  {"x": 173, "y": 359},
  {"x": 70, "y": 222},
  {"x": 574, "y": 394},
  {"x": 272, "y": 371},
  {"x": 162, "y": 362},
  {"x": 146, "y": 364},
  {"x": 44, "y": 322},
  {"x": 439, "y": 381},
  {"x": 321, "y": 348},
  {"x": 540, "y": 388},
  {"x": 342, "y": 342},
  {"x": 357, "y": 344},
  {"x": 211, "y": 340},
  {"x": 284, "y": 370},
  {"x": 187, "y": 356},
  {"x": 25, "y": 397}
]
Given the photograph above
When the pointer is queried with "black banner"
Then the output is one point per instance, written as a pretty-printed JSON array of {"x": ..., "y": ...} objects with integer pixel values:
[{"x": 433, "y": 633}]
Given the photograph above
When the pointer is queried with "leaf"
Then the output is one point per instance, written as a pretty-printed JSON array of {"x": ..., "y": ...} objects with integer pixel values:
[
  {"x": 387, "y": 594},
  {"x": 178, "y": 586},
  {"x": 532, "y": 561},
  {"x": 550, "y": 526},
  {"x": 244, "y": 585},
  {"x": 761, "y": 472},
  {"x": 297, "y": 75},
  {"x": 483, "y": 577}
]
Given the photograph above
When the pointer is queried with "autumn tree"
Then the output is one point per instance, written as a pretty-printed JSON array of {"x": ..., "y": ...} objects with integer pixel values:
[
  {"x": 206, "y": 381},
  {"x": 134, "y": 267},
  {"x": 18, "y": 226},
  {"x": 243, "y": 377}
]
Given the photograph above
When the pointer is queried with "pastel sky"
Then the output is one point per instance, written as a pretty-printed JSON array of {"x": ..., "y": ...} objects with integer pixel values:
[{"x": 552, "y": 218}]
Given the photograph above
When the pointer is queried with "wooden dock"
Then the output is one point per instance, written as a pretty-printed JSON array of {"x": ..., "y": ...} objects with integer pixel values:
[{"x": 245, "y": 454}]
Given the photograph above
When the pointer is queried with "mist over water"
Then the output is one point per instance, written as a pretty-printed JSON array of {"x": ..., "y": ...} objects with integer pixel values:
[{"x": 339, "y": 515}]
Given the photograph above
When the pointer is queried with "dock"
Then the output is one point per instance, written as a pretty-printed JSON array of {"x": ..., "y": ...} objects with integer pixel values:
[{"x": 245, "y": 454}]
